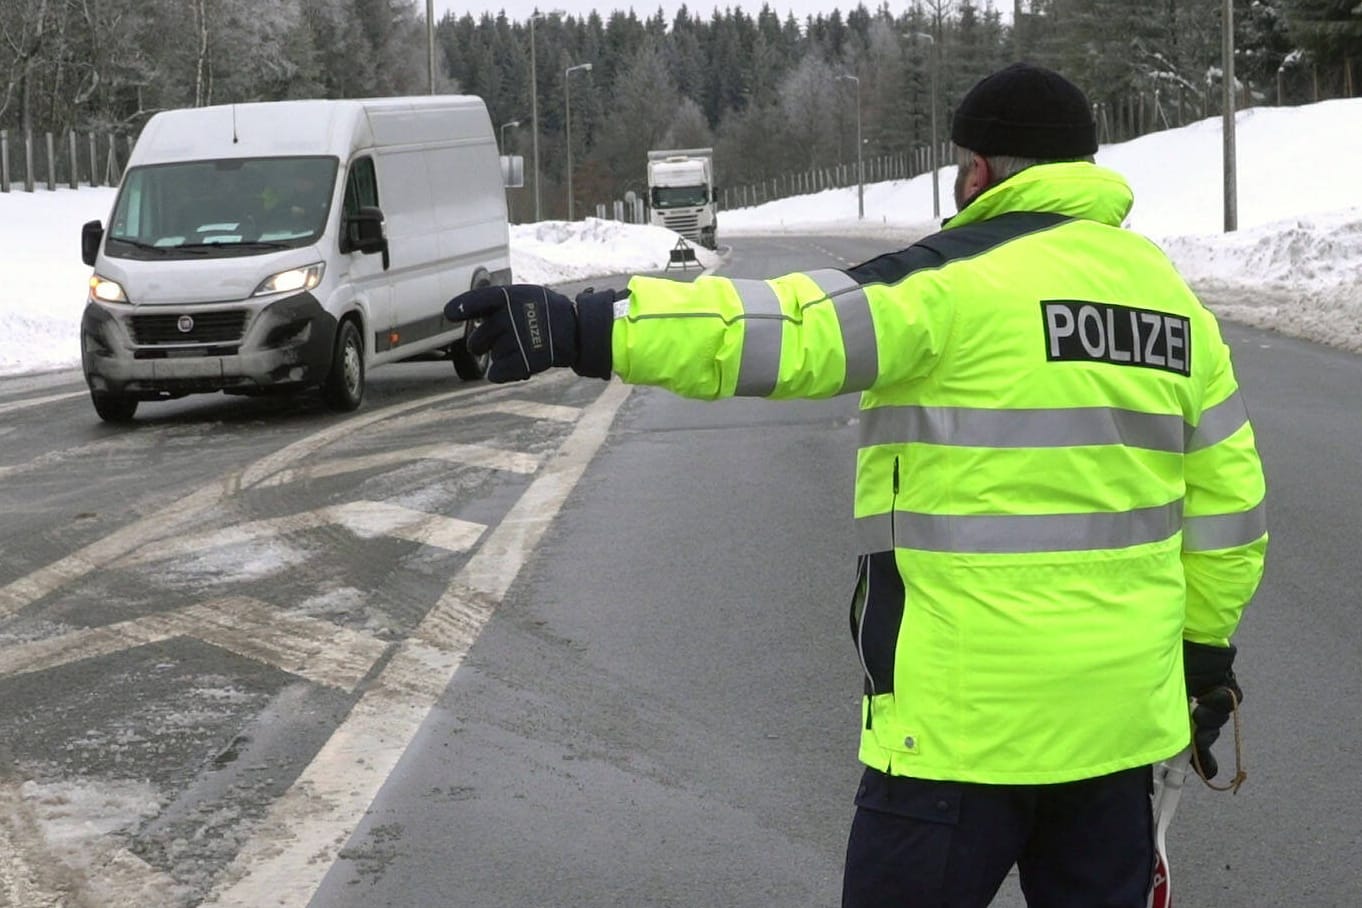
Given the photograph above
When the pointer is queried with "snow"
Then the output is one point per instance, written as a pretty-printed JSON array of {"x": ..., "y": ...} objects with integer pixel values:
[{"x": 1293, "y": 265}]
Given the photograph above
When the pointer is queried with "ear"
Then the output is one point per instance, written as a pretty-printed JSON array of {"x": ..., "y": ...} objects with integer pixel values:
[{"x": 979, "y": 177}]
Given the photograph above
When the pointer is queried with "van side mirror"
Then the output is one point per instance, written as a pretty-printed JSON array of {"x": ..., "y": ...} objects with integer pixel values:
[
  {"x": 364, "y": 233},
  {"x": 91, "y": 235}
]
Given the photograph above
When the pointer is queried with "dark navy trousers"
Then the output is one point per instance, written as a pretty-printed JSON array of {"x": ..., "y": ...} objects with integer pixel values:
[{"x": 921, "y": 844}]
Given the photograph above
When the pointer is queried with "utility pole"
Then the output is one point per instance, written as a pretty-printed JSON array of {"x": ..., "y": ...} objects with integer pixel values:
[
  {"x": 1016, "y": 30},
  {"x": 860, "y": 167},
  {"x": 1227, "y": 64},
  {"x": 534, "y": 113}
]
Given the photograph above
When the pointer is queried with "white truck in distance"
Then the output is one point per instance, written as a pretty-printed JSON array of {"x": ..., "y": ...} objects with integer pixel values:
[{"x": 681, "y": 193}]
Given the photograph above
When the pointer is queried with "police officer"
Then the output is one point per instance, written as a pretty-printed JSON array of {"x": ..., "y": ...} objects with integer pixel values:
[{"x": 1058, "y": 500}]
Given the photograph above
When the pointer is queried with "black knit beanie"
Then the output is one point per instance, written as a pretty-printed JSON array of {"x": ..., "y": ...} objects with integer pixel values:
[{"x": 1028, "y": 112}]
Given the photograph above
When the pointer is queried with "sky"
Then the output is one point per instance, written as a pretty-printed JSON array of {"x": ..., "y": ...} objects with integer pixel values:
[{"x": 1294, "y": 264}]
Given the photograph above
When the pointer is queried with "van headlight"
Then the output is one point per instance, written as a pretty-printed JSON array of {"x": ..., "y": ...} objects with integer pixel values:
[
  {"x": 292, "y": 280},
  {"x": 106, "y": 291}
]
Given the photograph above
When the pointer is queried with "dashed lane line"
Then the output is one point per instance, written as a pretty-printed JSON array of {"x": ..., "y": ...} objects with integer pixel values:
[{"x": 295, "y": 844}]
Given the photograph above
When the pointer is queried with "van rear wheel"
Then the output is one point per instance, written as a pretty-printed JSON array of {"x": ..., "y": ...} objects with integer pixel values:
[
  {"x": 117, "y": 408},
  {"x": 344, "y": 386},
  {"x": 466, "y": 365}
]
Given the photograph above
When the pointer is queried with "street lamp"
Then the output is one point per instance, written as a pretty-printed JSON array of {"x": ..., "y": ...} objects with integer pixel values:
[
  {"x": 860, "y": 169},
  {"x": 534, "y": 105},
  {"x": 504, "y": 127},
  {"x": 567, "y": 88},
  {"x": 430, "y": 42},
  {"x": 936, "y": 189}
]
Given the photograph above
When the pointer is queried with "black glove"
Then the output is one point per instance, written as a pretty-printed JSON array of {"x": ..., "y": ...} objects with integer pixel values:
[
  {"x": 1211, "y": 683},
  {"x": 527, "y": 328}
]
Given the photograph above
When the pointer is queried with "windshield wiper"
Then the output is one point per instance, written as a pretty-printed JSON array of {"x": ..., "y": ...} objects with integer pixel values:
[
  {"x": 235, "y": 244},
  {"x": 138, "y": 244}
]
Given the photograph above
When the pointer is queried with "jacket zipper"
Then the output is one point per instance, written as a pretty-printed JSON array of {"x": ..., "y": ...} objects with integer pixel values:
[{"x": 860, "y": 642}]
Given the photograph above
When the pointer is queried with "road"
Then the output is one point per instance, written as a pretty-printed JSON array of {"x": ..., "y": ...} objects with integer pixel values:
[{"x": 557, "y": 643}]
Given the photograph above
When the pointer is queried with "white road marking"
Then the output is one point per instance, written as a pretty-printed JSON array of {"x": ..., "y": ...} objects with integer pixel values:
[
  {"x": 366, "y": 519},
  {"x": 296, "y": 843},
  {"x": 525, "y": 408},
  {"x": 47, "y": 580},
  {"x": 38, "y": 401},
  {"x": 310, "y": 648},
  {"x": 468, "y": 455}
]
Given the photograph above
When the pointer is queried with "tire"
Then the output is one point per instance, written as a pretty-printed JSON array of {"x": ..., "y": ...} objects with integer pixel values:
[
  {"x": 466, "y": 365},
  {"x": 343, "y": 389},
  {"x": 114, "y": 408}
]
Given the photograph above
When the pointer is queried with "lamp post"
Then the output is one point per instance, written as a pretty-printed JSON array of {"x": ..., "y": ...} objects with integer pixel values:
[
  {"x": 936, "y": 189},
  {"x": 504, "y": 127},
  {"x": 534, "y": 110},
  {"x": 567, "y": 88},
  {"x": 430, "y": 42},
  {"x": 860, "y": 168}
]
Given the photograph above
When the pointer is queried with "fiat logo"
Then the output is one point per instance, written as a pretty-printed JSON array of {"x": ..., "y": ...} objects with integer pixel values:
[{"x": 185, "y": 324}]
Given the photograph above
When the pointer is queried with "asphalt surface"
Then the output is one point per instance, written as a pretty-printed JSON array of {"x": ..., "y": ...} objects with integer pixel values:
[{"x": 219, "y": 646}]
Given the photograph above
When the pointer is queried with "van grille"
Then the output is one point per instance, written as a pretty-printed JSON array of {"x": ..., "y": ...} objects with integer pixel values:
[{"x": 226, "y": 326}]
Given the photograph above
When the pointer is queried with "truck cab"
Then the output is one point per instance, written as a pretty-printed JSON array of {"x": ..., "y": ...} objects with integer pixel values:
[{"x": 681, "y": 193}]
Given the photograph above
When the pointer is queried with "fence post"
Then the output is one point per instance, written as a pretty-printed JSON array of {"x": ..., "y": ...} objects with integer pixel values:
[
  {"x": 75, "y": 168},
  {"x": 29, "y": 182},
  {"x": 111, "y": 162},
  {"x": 4, "y": 160},
  {"x": 51, "y": 163}
]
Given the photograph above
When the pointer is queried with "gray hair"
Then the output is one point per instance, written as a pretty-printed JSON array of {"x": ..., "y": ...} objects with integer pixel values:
[{"x": 1002, "y": 166}]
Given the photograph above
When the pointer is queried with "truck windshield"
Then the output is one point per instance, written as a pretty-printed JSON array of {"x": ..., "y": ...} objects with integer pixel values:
[
  {"x": 679, "y": 196},
  {"x": 238, "y": 206}
]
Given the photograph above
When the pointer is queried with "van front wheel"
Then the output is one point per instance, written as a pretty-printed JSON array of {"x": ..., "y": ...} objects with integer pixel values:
[
  {"x": 344, "y": 386},
  {"x": 466, "y": 365},
  {"x": 116, "y": 408}
]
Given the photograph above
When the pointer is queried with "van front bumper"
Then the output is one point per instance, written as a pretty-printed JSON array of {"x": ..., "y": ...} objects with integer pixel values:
[{"x": 127, "y": 350}]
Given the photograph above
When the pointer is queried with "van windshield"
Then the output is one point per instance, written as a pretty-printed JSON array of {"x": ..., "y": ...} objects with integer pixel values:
[
  {"x": 679, "y": 196},
  {"x": 230, "y": 207}
]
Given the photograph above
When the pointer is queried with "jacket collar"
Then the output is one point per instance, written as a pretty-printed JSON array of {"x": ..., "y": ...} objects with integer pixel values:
[{"x": 1076, "y": 189}]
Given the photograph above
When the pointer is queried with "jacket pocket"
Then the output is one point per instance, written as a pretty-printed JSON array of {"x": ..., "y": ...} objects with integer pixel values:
[{"x": 876, "y": 615}]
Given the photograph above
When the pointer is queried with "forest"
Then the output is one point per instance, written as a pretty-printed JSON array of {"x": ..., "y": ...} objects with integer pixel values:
[{"x": 773, "y": 96}]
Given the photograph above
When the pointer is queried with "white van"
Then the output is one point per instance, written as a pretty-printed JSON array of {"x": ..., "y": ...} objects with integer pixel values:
[{"x": 291, "y": 245}]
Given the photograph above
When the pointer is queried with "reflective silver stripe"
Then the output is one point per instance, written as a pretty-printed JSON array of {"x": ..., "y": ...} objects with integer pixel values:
[
  {"x": 858, "y": 330},
  {"x": 1218, "y": 423},
  {"x": 1019, "y": 533},
  {"x": 762, "y": 324},
  {"x": 1057, "y": 428},
  {"x": 1223, "y": 531}
]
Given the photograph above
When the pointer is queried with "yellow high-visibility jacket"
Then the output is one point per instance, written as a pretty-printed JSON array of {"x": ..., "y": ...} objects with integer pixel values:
[{"x": 1056, "y": 482}]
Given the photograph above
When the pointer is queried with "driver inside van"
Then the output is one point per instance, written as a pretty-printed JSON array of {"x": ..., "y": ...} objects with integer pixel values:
[{"x": 295, "y": 206}]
